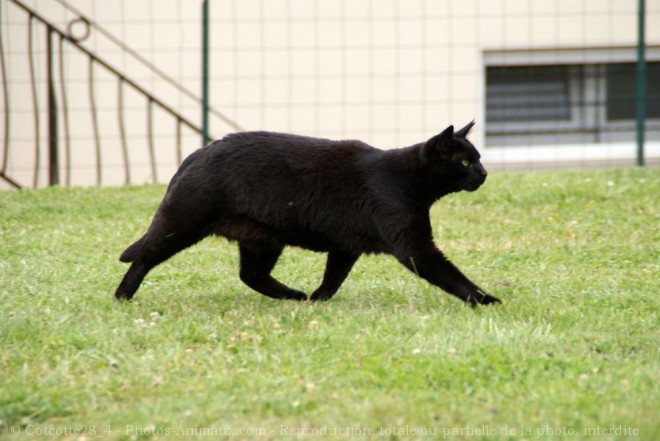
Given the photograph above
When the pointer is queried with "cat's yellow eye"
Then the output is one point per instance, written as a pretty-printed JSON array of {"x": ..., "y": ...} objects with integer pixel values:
[{"x": 465, "y": 163}]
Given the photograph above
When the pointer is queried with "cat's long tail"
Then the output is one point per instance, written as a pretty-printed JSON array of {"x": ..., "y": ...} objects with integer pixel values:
[{"x": 129, "y": 253}]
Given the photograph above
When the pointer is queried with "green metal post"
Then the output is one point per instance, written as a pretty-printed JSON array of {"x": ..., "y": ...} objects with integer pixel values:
[
  {"x": 53, "y": 148},
  {"x": 641, "y": 84},
  {"x": 205, "y": 72}
]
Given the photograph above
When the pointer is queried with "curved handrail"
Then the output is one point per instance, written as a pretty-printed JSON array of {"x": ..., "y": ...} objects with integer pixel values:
[{"x": 123, "y": 81}]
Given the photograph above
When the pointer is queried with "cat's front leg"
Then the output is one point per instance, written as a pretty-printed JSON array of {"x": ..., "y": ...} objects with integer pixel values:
[
  {"x": 408, "y": 234},
  {"x": 433, "y": 266}
]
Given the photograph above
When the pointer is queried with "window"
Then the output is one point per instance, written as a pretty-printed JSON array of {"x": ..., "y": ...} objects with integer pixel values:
[
  {"x": 621, "y": 91},
  {"x": 567, "y": 104},
  {"x": 534, "y": 93}
]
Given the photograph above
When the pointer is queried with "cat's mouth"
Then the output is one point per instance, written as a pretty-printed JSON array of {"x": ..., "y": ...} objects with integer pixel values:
[{"x": 475, "y": 183}]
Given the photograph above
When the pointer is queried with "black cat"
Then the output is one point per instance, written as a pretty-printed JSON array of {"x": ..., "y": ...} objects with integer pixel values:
[{"x": 268, "y": 190}]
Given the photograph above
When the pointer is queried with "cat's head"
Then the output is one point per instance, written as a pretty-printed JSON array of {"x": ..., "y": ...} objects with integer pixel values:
[{"x": 451, "y": 162}]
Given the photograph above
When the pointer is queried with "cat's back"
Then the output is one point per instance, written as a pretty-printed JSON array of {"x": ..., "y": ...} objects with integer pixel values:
[
  {"x": 265, "y": 160},
  {"x": 264, "y": 146},
  {"x": 279, "y": 165}
]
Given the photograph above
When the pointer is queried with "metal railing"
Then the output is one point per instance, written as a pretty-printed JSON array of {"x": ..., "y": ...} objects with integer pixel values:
[{"x": 56, "y": 42}]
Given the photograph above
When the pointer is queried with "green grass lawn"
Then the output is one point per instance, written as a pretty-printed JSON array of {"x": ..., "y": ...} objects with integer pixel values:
[{"x": 572, "y": 353}]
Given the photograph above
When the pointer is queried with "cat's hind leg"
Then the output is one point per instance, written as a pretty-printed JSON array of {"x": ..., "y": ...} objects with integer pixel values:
[
  {"x": 338, "y": 266},
  {"x": 256, "y": 264},
  {"x": 162, "y": 241}
]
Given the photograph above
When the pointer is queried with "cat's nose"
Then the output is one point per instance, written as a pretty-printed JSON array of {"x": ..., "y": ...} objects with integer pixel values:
[{"x": 482, "y": 171}]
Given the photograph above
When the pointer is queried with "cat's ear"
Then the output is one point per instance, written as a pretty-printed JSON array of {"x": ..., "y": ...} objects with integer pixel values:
[
  {"x": 439, "y": 144},
  {"x": 443, "y": 139},
  {"x": 465, "y": 130},
  {"x": 446, "y": 135}
]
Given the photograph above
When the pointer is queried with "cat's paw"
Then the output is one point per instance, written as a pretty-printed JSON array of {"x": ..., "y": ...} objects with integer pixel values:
[
  {"x": 481, "y": 298},
  {"x": 296, "y": 295},
  {"x": 321, "y": 296},
  {"x": 489, "y": 300},
  {"x": 123, "y": 295}
]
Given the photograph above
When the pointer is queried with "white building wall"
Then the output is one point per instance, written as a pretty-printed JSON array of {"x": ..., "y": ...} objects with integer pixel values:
[{"x": 389, "y": 72}]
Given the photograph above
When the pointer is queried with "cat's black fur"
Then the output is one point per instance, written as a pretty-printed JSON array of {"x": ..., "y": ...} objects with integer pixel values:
[{"x": 268, "y": 190}]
